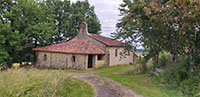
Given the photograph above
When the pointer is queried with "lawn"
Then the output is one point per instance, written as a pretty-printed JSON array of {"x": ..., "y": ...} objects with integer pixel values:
[
  {"x": 142, "y": 84},
  {"x": 41, "y": 83}
]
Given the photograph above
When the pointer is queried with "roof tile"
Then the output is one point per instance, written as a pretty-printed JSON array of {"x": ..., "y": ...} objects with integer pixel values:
[
  {"x": 107, "y": 41},
  {"x": 73, "y": 47}
]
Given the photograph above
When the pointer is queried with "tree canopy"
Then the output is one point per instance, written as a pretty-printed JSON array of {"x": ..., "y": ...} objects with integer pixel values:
[
  {"x": 70, "y": 15},
  {"x": 27, "y": 24},
  {"x": 162, "y": 25}
]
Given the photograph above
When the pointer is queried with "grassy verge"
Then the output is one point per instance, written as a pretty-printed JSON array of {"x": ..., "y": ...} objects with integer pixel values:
[
  {"x": 41, "y": 83},
  {"x": 44, "y": 83},
  {"x": 142, "y": 84}
]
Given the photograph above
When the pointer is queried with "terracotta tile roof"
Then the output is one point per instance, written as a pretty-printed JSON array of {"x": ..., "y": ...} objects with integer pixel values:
[
  {"x": 73, "y": 47},
  {"x": 107, "y": 41}
]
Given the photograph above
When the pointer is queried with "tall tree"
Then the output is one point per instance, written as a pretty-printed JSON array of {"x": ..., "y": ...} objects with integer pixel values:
[
  {"x": 166, "y": 25},
  {"x": 186, "y": 14},
  {"x": 31, "y": 20},
  {"x": 33, "y": 23},
  {"x": 69, "y": 16},
  {"x": 9, "y": 44},
  {"x": 138, "y": 25}
]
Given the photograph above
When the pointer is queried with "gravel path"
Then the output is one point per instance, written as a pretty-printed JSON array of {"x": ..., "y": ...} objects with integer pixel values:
[{"x": 105, "y": 87}]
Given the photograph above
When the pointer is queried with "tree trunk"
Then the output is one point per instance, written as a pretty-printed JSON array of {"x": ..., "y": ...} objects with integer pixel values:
[
  {"x": 20, "y": 61},
  {"x": 175, "y": 57},
  {"x": 190, "y": 50},
  {"x": 34, "y": 53},
  {"x": 156, "y": 57},
  {"x": 174, "y": 51}
]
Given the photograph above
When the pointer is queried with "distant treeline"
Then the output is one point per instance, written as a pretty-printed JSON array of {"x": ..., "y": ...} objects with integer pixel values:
[{"x": 139, "y": 50}]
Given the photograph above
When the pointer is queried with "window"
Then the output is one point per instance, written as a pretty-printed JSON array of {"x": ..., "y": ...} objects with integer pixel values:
[
  {"x": 74, "y": 58},
  {"x": 45, "y": 57},
  {"x": 99, "y": 57},
  {"x": 116, "y": 52}
]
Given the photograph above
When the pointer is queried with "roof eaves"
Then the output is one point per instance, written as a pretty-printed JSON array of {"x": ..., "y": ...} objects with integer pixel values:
[{"x": 69, "y": 52}]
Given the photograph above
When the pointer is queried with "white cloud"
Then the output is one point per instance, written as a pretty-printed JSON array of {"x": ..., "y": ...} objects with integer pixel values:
[{"x": 107, "y": 12}]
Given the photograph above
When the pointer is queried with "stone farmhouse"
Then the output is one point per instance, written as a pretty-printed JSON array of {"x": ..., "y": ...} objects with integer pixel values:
[{"x": 83, "y": 52}]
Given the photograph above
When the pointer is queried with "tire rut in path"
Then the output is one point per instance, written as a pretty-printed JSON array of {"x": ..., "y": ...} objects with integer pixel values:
[{"x": 105, "y": 87}]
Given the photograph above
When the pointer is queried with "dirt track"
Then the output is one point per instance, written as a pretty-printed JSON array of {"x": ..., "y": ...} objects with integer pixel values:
[{"x": 105, "y": 87}]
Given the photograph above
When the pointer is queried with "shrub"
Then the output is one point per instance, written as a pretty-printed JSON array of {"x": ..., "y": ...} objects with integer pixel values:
[
  {"x": 177, "y": 76},
  {"x": 163, "y": 61}
]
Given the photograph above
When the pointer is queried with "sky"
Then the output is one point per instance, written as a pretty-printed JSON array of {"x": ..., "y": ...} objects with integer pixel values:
[{"x": 108, "y": 14}]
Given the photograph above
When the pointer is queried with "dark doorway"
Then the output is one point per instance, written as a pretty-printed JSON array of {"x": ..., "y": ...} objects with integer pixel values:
[{"x": 89, "y": 61}]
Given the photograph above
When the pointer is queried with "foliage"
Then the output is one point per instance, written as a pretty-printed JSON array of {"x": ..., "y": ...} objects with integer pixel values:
[
  {"x": 42, "y": 83},
  {"x": 161, "y": 25},
  {"x": 178, "y": 76},
  {"x": 164, "y": 61},
  {"x": 27, "y": 24},
  {"x": 69, "y": 16},
  {"x": 8, "y": 44},
  {"x": 170, "y": 26}
]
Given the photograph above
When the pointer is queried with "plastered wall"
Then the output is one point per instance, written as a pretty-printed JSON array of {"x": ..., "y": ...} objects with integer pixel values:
[{"x": 119, "y": 60}]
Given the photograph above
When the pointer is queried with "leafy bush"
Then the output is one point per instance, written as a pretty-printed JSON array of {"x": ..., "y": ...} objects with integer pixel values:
[
  {"x": 163, "y": 61},
  {"x": 178, "y": 76}
]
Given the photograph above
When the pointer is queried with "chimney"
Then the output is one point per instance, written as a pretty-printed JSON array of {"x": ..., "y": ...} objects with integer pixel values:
[
  {"x": 83, "y": 31},
  {"x": 83, "y": 28}
]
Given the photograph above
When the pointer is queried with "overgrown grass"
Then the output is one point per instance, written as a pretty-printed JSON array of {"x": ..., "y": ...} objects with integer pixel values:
[{"x": 41, "y": 83}]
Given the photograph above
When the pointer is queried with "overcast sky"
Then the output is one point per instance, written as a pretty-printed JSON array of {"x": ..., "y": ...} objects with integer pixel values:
[{"x": 107, "y": 12}]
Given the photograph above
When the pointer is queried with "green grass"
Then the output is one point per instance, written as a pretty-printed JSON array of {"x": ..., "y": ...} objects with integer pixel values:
[
  {"x": 42, "y": 83},
  {"x": 142, "y": 84}
]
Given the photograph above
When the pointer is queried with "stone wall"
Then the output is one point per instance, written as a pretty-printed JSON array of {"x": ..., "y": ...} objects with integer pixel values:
[
  {"x": 100, "y": 45},
  {"x": 61, "y": 61},
  {"x": 119, "y": 60},
  {"x": 98, "y": 63}
]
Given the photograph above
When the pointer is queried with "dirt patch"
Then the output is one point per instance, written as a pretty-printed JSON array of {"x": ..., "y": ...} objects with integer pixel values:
[{"x": 105, "y": 87}]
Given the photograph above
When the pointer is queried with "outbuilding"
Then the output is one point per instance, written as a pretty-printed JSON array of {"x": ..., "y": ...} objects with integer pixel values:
[{"x": 83, "y": 52}]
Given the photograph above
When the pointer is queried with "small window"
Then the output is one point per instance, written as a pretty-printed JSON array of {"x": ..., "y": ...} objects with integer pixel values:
[
  {"x": 99, "y": 57},
  {"x": 45, "y": 57},
  {"x": 74, "y": 58},
  {"x": 116, "y": 52}
]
